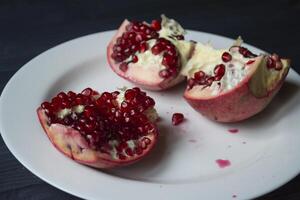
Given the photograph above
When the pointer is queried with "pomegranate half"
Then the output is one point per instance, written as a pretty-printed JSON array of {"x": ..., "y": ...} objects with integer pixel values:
[
  {"x": 231, "y": 85},
  {"x": 150, "y": 55},
  {"x": 101, "y": 130}
]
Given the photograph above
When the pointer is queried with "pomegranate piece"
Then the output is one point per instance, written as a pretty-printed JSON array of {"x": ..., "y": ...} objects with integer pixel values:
[
  {"x": 227, "y": 87},
  {"x": 150, "y": 55},
  {"x": 177, "y": 118},
  {"x": 101, "y": 130}
]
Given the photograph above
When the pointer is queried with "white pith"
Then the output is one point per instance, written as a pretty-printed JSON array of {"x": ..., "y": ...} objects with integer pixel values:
[
  {"x": 205, "y": 58},
  {"x": 67, "y": 111}
]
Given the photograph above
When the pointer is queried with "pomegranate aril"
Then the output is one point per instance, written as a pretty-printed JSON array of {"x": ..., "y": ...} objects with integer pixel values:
[
  {"x": 168, "y": 60},
  {"x": 250, "y": 62},
  {"x": 130, "y": 94},
  {"x": 138, "y": 90},
  {"x": 199, "y": 75},
  {"x": 143, "y": 47},
  {"x": 62, "y": 95},
  {"x": 65, "y": 104},
  {"x": 121, "y": 156},
  {"x": 219, "y": 72},
  {"x": 171, "y": 52},
  {"x": 135, "y": 59},
  {"x": 146, "y": 140},
  {"x": 46, "y": 105},
  {"x": 157, "y": 49},
  {"x": 55, "y": 107},
  {"x": 191, "y": 83},
  {"x": 78, "y": 100},
  {"x": 165, "y": 73},
  {"x": 177, "y": 118},
  {"x": 115, "y": 94},
  {"x": 156, "y": 25},
  {"x": 121, "y": 146},
  {"x": 87, "y": 92},
  {"x": 138, "y": 150},
  {"x": 129, "y": 152},
  {"x": 71, "y": 94},
  {"x": 149, "y": 102},
  {"x": 226, "y": 57},
  {"x": 88, "y": 112},
  {"x": 246, "y": 53}
]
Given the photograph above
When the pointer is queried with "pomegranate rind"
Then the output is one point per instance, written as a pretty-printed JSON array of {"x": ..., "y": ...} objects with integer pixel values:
[
  {"x": 147, "y": 78},
  {"x": 70, "y": 142},
  {"x": 239, "y": 103}
]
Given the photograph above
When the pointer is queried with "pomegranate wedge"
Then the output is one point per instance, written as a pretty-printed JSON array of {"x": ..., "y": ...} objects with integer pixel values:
[
  {"x": 232, "y": 84},
  {"x": 101, "y": 130},
  {"x": 150, "y": 55}
]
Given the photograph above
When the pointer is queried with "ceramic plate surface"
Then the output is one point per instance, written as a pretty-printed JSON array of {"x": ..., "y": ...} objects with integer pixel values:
[{"x": 263, "y": 155}]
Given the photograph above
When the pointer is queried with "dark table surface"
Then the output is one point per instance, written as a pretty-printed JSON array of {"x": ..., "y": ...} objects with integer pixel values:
[{"x": 30, "y": 27}]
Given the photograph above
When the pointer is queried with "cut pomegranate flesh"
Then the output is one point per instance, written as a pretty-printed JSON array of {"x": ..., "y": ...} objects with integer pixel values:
[
  {"x": 134, "y": 41},
  {"x": 150, "y": 55},
  {"x": 119, "y": 131},
  {"x": 230, "y": 85},
  {"x": 177, "y": 118}
]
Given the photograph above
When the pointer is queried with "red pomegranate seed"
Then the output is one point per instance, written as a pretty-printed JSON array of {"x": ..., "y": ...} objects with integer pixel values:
[
  {"x": 165, "y": 73},
  {"x": 130, "y": 94},
  {"x": 129, "y": 152},
  {"x": 246, "y": 53},
  {"x": 138, "y": 150},
  {"x": 143, "y": 47},
  {"x": 135, "y": 59},
  {"x": 146, "y": 140},
  {"x": 62, "y": 95},
  {"x": 199, "y": 75},
  {"x": 219, "y": 71},
  {"x": 121, "y": 156},
  {"x": 191, "y": 83},
  {"x": 115, "y": 94},
  {"x": 210, "y": 80},
  {"x": 45, "y": 105},
  {"x": 87, "y": 92},
  {"x": 156, "y": 25},
  {"x": 226, "y": 57},
  {"x": 177, "y": 118},
  {"x": 250, "y": 62},
  {"x": 156, "y": 49},
  {"x": 168, "y": 60}
]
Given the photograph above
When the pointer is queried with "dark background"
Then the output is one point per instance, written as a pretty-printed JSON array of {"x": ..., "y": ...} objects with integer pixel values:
[{"x": 29, "y": 27}]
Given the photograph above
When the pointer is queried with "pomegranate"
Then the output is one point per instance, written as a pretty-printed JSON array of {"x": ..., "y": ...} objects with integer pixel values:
[
  {"x": 177, "y": 118},
  {"x": 150, "y": 55},
  {"x": 101, "y": 130},
  {"x": 232, "y": 84}
]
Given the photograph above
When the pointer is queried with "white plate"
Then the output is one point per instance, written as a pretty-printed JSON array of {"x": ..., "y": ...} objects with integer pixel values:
[{"x": 263, "y": 155}]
